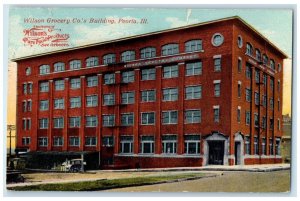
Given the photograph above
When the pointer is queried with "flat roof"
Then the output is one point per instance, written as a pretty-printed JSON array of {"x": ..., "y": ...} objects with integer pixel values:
[{"x": 153, "y": 33}]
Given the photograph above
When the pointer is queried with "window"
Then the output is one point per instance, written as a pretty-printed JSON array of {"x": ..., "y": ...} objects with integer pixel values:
[
  {"x": 272, "y": 64},
  {"x": 59, "y": 103},
  {"x": 75, "y": 102},
  {"x": 44, "y": 69},
  {"x": 109, "y": 59},
  {"x": 92, "y": 81},
  {"x": 127, "y": 56},
  {"x": 92, "y": 61},
  {"x": 248, "y": 71},
  {"x": 90, "y": 141},
  {"x": 255, "y": 146},
  {"x": 59, "y": 67},
  {"x": 91, "y": 101},
  {"x": 257, "y": 76},
  {"x": 240, "y": 41},
  {"x": 44, "y": 86},
  {"x": 108, "y": 99},
  {"x": 75, "y": 64},
  {"x": 28, "y": 124},
  {"x": 75, "y": 83},
  {"x": 126, "y": 144},
  {"x": 58, "y": 141},
  {"x": 248, "y": 118},
  {"x": 108, "y": 141},
  {"x": 193, "y": 92},
  {"x": 263, "y": 146},
  {"x": 43, "y": 141},
  {"x": 217, "y": 39},
  {"x": 148, "y": 96},
  {"x": 25, "y": 88},
  {"x": 264, "y": 101},
  {"x": 217, "y": 64},
  {"x": 278, "y": 85},
  {"x": 29, "y": 88},
  {"x": 194, "y": 68},
  {"x": 127, "y": 97},
  {"x": 256, "y": 121},
  {"x": 58, "y": 122},
  {"x": 271, "y": 104},
  {"x": 169, "y": 144},
  {"x": 277, "y": 146},
  {"x": 271, "y": 124},
  {"x": 148, "y": 74},
  {"x": 264, "y": 122},
  {"x": 128, "y": 76},
  {"x": 249, "y": 49},
  {"x": 278, "y": 124},
  {"x": 216, "y": 114},
  {"x": 239, "y": 90},
  {"x": 108, "y": 120},
  {"x": 169, "y": 117},
  {"x": 148, "y": 118},
  {"x": 28, "y": 71},
  {"x": 24, "y": 106},
  {"x": 91, "y": 121},
  {"x": 265, "y": 59},
  {"x": 170, "y": 49},
  {"x": 247, "y": 145},
  {"x": 265, "y": 78},
  {"x": 29, "y": 105},
  {"x": 43, "y": 123},
  {"x": 148, "y": 52},
  {"x": 170, "y": 94},
  {"x": 74, "y": 122},
  {"x": 257, "y": 55},
  {"x": 170, "y": 71},
  {"x": 109, "y": 78},
  {"x": 256, "y": 98},
  {"x": 239, "y": 65},
  {"x": 279, "y": 67},
  {"x": 271, "y": 149},
  {"x": 44, "y": 105},
  {"x": 24, "y": 124},
  {"x": 238, "y": 116},
  {"x": 192, "y": 144},
  {"x": 217, "y": 90},
  {"x": 272, "y": 84},
  {"x": 74, "y": 141},
  {"x": 127, "y": 119},
  {"x": 25, "y": 141},
  {"x": 59, "y": 85},
  {"x": 193, "y": 45},
  {"x": 147, "y": 145},
  {"x": 192, "y": 116},
  {"x": 248, "y": 95}
]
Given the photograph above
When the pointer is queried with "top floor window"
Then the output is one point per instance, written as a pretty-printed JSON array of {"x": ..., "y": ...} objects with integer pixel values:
[
  {"x": 75, "y": 64},
  {"x": 193, "y": 45},
  {"x": 148, "y": 52},
  {"x": 92, "y": 61},
  {"x": 170, "y": 49},
  {"x": 28, "y": 71},
  {"x": 44, "y": 69},
  {"x": 127, "y": 56},
  {"x": 265, "y": 59},
  {"x": 59, "y": 66},
  {"x": 272, "y": 64},
  {"x": 249, "y": 49},
  {"x": 109, "y": 59},
  {"x": 258, "y": 54}
]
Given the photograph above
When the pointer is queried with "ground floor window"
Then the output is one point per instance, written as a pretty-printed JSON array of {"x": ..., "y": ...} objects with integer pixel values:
[
  {"x": 263, "y": 146},
  {"x": 43, "y": 141},
  {"x": 126, "y": 144},
  {"x": 58, "y": 141},
  {"x": 247, "y": 145},
  {"x": 74, "y": 141},
  {"x": 25, "y": 141},
  {"x": 147, "y": 145},
  {"x": 90, "y": 141},
  {"x": 192, "y": 144},
  {"x": 277, "y": 146},
  {"x": 255, "y": 145},
  {"x": 271, "y": 150},
  {"x": 169, "y": 144}
]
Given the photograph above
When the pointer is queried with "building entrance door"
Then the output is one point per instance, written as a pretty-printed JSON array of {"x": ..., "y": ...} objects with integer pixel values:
[
  {"x": 237, "y": 153},
  {"x": 216, "y": 152}
]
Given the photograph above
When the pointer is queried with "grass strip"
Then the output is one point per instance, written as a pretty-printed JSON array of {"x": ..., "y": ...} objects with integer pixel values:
[{"x": 106, "y": 184}]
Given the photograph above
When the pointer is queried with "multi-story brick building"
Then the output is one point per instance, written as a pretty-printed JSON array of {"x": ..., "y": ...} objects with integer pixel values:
[{"x": 209, "y": 93}]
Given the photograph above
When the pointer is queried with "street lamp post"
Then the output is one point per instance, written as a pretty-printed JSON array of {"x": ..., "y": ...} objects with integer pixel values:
[{"x": 10, "y": 128}]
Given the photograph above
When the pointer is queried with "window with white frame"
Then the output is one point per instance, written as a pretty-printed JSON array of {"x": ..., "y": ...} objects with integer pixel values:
[
  {"x": 148, "y": 74},
  {"x": 44, "y": 69},
  {"x": 192, "y": 116},
  {"x": 248, "y": 118},
  {"x": 148, "y": 52},
  {"x": 271, "y": 147},
  {"x": 169, "y": 144},
  {"x": 59, "y": 67},
  {"x": 59, "y": 85},
  {"x": 92, "y": 61},
  {"x": 108, "y": 141},
  {"x": 75, "y": 64},
  {"x": 29, "y": 105},
  {"x": 91, "y": 121},
  {"x": 249, "y": 49},
  {"x": 74, "y": 141},
  {"x": 272, "y": 64},
  {"x": 91, "y": 101},
  {"x": 43, "y": 123},
  {"x": 58, "y": 141},
  {"x": 109, "y": 78},
  {"x": 247, "y": 145},
  {"x": 128, "y": 56},
  {"x": 59, "y": 103},
  {"x": 192, "y": 144},
  {"x": 217, "y": 89},
  {"x": 108, "y": 99},
  {"x": 263, "y": 146},
  {"x": 44, "y": 86},
  {"x": 193, "y": 45},
  {"x": 170, "y": 71},
  {"x": 126, "y": 144},
  {"x": 28, "y": 71},
  {"x": 248, "y": 71},
  {"x": 108, "y": 120},
  {"x": 148, "y": 95},
  {"x": 24, "y": 88},
  {"x": 193, "y": 92},
  {"x": 24, "y": 106},
  {"x": 75, "y": 102},
  {"x": 147, "y": 145},
  {"x": 92, "y": 81},
  {"x": 127, "y": 76},
  {"x": 74, "y": 122},
  {"x": 170, "y": 49},
  {"x": 256, "y": 120},
  {"x": 25, "y": 141},
  {"x": 255, "y": 145},
  {"x": 217, "y": 64},
  {"x": 248, "y": 95},
  {"x": 109, "y": 59},
  {"x": 75, "y": 83},
  {"x": 216, "y": 114},
  {"x": 256, "y": 98},
  {"x": 43, "y": 141},
  {"x": 148, "y": 118},
  {"x": 194, "y": 68},
  {"x": 257, "y": 76},
  {"x": 170, "y": 94},
  {"x": 30, "y": 86},
  {"x": 127, "y": 119},
  {"x": 58, "y": 122},
  {"x": 127, "y": 97},
  {"x": 90, "y": 141},
  {"x": 277, "y": 146},
  {"x": 44, "y": 105},
  {"x": 169, "y": 117}
]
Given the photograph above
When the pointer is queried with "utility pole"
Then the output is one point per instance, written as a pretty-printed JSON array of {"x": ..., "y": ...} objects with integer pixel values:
[{"x": 10, "y": 128}]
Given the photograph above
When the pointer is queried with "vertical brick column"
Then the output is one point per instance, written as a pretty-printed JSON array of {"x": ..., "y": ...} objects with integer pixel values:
[
  {"x": 252, "y": 109},
  {"x": 50, "y": 137},
  {"x": 99, "y": 126},
  {"x": 158, "y": 145},
  {"x": 34, "y": 117},
  {"x": 117, "y": 111},
  {"x": 82, "y": 119},
  {"x": 136, "y": 112},
  {"x": 66, "y": 119},
  {"x": 181, "y": 78},
  {"x": 268, "y": 134}
]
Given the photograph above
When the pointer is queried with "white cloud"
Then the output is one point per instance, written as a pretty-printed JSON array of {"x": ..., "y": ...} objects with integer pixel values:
[{"x": 175, "y": 22}]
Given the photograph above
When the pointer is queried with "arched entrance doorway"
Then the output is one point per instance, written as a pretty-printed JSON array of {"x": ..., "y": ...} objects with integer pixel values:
[{"x": 239, "y": 149}]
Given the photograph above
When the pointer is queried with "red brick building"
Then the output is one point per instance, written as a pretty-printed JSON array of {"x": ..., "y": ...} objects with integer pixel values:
[{"x": 208, "y": 93}]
